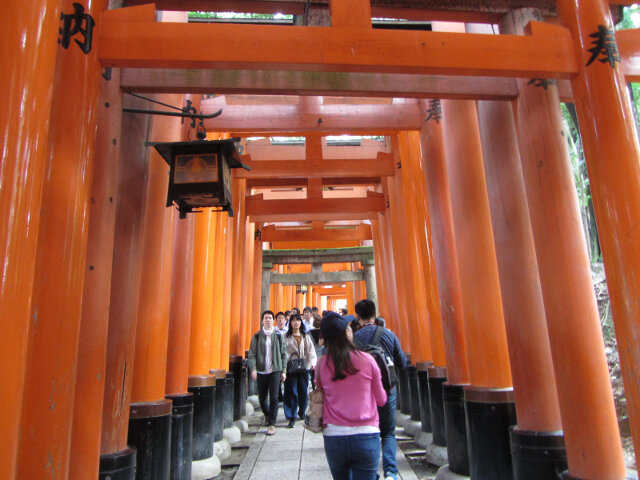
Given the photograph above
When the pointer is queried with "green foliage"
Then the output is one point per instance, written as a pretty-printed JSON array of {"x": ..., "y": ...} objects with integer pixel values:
[{"x": 236, "y": 15}]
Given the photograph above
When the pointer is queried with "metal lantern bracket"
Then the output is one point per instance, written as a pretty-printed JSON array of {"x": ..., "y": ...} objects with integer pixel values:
[{"x": 187, "y": 112}]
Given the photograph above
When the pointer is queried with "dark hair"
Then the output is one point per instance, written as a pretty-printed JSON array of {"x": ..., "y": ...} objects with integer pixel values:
[
  {"x": 287, "y": 312},
  {"x": 306, "y": 309},
  {"x": 265, "y": 313},
  {"x": 280, "y": 313},
  {"x": 366, "y": 309},
  {"x": 314, "y": 309},
  {"x": 355, "y": 325},
  {"x": 339, "y": 349},
  {"x": 380, "y": 321},
  {"x": 324, "y": 312},
  {"x": 343, "y": 311},
  {"x": 295, "y": 310},
  {"x": 303, "y": 329},
  {"x": 316, "y": 320}
]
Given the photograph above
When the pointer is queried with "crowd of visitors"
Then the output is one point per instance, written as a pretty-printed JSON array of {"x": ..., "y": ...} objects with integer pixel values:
[{"x": 358, "y": 413}]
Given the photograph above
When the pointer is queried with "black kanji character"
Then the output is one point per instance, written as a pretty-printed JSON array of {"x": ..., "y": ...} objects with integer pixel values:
[
  {"x": 435, "y": 111},
  {"x": 72, "y": 24},
  {"x": 605, "y": 45},
  {"x": 542, "y": 82}
]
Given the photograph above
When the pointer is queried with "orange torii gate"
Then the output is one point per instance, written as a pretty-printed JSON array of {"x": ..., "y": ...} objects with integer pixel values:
[{"x": 34, "y": 309}]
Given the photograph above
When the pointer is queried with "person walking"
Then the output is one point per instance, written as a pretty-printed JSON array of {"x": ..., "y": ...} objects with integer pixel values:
[
  {"x": 366, "y": 314},
  {"x": 352, "y": 387},
  {"x": 266, "y": 361},
  {"x": 298, "y": 343}
]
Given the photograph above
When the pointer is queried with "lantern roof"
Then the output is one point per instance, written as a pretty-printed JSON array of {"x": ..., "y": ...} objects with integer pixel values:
[{"x": 226, "y": 146}]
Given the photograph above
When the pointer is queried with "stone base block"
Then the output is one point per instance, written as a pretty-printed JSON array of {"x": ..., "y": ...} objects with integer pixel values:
[
  {"x": 242, "y": 425},
  {"x": 206, "y": 469},
  {"x": 250, "y": 409},
  {"x": 401, "y": 419},
  {"x": 222, "y": 449},
  {"x": 412, "y": 427},
  {"x": 253, "y": 400},
  {"x": 422, "y": 439},
  {"x": 232, "y": 435},
  {"x": 436, "y": 455},
  {"x": 445, "y": 474}
]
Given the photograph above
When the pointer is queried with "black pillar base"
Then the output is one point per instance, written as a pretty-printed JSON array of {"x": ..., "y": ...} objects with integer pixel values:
[
  {"x": 228, "y": 400},
  {"x": 437, "y": 376},
  {"x": 456, "y": 428},
  {"x": 150, "y": 434},
  {"x": 203, "y": 388},
  {"x": 490, "y": 414},
  {"x": 218, "y": 414},
  {"x": 537, "y": 455},
  {"x": 423, "y": 397},
  {"x": 118, "y": 466},
  {"x": 414, "y": 396},
  {"x": 405, "y": 397},
  {"x": 239, "y": 403},
  {"x": 181, "y": 436}
]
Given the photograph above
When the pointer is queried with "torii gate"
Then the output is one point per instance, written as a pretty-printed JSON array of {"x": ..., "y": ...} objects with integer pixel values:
[{"x": 316, "y": 258}]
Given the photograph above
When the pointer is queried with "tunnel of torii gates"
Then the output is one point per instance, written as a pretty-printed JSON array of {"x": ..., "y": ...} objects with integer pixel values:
[{"x": 110, "y": 305}]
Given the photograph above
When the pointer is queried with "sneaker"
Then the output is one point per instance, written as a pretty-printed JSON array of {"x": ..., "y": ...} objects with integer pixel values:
[
  {"x": 292, "y": 423},
  {"x": 271, "y": 430},
  {"x": 389, "y": 476}
]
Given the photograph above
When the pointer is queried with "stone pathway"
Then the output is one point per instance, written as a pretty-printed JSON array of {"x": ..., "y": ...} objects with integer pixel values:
[{"x": 292, "y": 454}]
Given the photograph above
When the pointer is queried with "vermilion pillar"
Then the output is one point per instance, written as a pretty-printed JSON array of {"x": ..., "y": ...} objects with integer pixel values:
[
  {"x": 592, "y": 439},
  {"x": 398, "y": 251},
  {"x": 29, "y": 54},
  {"x": 247, "y": 288},
  {"x": 202, "y": 304},
  {"x": 394, "y": 313},
  {"x": 608, "y": 131},
  {"x": 226, "y": 292},
  {"x": 490, "y": 393},
  {"x": 218, "y": 246},
  {"x": 537, "y": 440},
  {"x": 92, "y": 348},
  {"x": 178, "y": 348},
  {"x": 150, "y": 412},
  {"x": 180, "y": 307},
  {"x": 450, "y": 380},
  {"x": 416, "y": 253},
  {"x": 414, "y": 170},
  {"x": 257, "y": 287},
  {"x": 239, "y": 192},
  {"x": 149, "y": 375},
  {"x": 379, "y": 269},
  {"x": 125, "y": 284},
  {"x": 444, "y": 245},
  {"x": 60, "y": 258}
]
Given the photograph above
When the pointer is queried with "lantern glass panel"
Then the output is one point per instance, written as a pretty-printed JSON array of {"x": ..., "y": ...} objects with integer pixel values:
[{"x": 201, "y": 168}]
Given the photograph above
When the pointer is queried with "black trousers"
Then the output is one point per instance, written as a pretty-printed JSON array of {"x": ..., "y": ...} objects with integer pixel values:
[{"x": 268, "y": 390}]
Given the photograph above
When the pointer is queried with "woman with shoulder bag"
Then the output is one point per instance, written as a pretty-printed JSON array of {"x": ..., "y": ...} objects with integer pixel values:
[
  {"x": 302, "y": 358},
  {"x": 352, "y": 386}
]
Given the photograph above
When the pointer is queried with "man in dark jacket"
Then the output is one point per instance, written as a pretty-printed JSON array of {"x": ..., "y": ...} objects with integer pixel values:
[
  {"x": 366, "y": 313},
  {"x": 267, "y": 361}
]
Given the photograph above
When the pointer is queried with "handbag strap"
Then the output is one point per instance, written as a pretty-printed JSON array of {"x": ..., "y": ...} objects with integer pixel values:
[{"x": 318, "y": 365}]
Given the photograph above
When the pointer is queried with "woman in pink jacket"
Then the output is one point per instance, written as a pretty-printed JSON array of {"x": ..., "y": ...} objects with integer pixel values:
[{"x": 352, "y": 392}]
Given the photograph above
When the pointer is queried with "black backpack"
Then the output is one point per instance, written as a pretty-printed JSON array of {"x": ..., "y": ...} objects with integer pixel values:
[{"x": 384, "y": 361}]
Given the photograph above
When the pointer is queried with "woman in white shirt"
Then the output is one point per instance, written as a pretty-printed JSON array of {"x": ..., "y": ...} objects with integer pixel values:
[{"x": 297, "y": 344}]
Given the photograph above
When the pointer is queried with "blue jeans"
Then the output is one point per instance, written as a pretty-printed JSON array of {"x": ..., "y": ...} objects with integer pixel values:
[
  {"x": 387, "y": 414},
  {"x": 296, "y": 395},
  {"x": 353, "y": 457}
]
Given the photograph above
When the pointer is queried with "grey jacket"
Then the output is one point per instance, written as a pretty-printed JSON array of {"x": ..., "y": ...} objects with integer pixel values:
[{"x": 257, "y": 352}]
